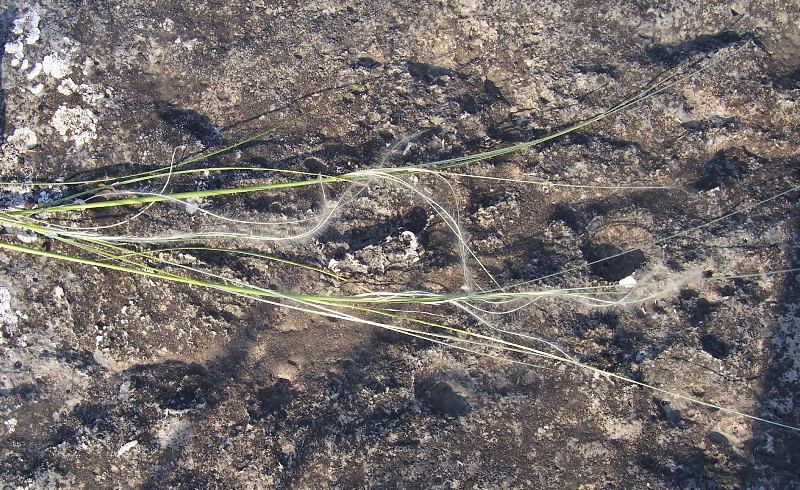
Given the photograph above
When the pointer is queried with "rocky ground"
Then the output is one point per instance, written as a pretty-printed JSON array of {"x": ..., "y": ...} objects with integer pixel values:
[{"x": 109, "y": 381}]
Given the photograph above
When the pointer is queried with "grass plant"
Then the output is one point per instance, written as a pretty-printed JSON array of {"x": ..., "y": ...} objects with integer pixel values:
[{"x": 416, "y": 313}]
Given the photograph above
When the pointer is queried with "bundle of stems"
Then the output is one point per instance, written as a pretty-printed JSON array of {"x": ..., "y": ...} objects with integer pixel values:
[{"x": 416, "y": 313}]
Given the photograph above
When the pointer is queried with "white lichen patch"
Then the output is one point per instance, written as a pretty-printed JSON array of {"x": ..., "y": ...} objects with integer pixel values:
[
  {"x": 37, "y": 89},
  {"x": 67, "y": 87},
  {"x": 41, "y": 71},
  {"x": 8, "y": 318},
  {"x": 15, "y": 49},
  {"x": 26, "y": 236},
  {"x": 88, "y": 68},
  {"x": 76, "y": 124},
  {"x": 35, "y": 71},
  {"x": 412, "y": 248},
  {"x": 26, "y": 31},
  {"x": 56, "y": 66},
  {"x": 22, "y": 140},
  {"x": 27, "y": 26},
  {"x": 395, "y": 252},
  {"x": 90, "y": 94},
  {"x": 11, "y": 425}
]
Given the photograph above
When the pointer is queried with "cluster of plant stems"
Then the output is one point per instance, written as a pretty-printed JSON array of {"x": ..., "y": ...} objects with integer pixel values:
[{"x": 416, "y": 313}]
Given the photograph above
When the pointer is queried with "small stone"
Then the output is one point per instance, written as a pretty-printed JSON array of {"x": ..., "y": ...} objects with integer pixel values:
[
  {"x": 442, "y": 399},
  {"x": 717, "y": 438}
]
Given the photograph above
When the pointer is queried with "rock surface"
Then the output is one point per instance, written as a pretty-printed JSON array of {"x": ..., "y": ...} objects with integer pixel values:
[{"x": 110, "y": 381}]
